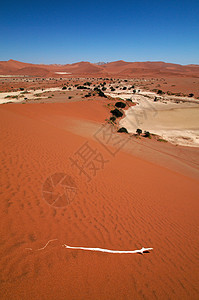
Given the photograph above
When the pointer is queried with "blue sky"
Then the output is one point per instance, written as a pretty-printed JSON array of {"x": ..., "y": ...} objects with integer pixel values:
[{"x": 70, "y": 31}]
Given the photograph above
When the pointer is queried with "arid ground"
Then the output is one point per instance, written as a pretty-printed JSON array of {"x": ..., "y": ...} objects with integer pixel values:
[{"x": 68, "y": 177}]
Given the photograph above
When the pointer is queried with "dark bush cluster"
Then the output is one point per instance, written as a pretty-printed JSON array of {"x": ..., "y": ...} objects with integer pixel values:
[
  {"x": 120, "y": 104},
  {"x": 88, "y": 95},
  {"x": 117, "y": 113},
  {"x": 100, "y": 93},
  {"x": 139, "y": 131},
  {"x": 123, "y": 129},
  {"x": 82, "y": 87},
  {"x": 112, "y": 119},
  {"x": 159, "y": 92},
  {"x": 147, "y": 134},
  {"x": 191, "y": 95}
]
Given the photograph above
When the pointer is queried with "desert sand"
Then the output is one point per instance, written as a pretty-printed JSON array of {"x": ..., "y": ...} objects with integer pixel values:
[
  {"x": 135, "y": 199},
  {"x": 70, "y": 183}
]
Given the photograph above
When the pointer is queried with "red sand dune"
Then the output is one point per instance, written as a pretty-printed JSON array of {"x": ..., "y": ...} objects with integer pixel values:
[
  {"x": 113, "y": 68},
  {"x": 129, "y": 204},
  {"x": 33, "y": 71},
  {"x": 82, "y": 67}
]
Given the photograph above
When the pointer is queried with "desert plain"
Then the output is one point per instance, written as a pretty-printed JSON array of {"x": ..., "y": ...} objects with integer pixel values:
[{"x": 69, "y": 177}]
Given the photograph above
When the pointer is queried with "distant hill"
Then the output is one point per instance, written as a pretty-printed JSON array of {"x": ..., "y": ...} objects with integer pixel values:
[
  {"x": 100, "y": 63},
  {"x": 120, "y": 68}
]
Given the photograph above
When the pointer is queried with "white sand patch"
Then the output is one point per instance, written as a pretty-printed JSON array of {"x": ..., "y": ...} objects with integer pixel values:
[
  {"x": 175, "y": 122},
  {"x": 31, "y": 94},
  {"x": 10, "y": 76},
  {"x": 180, "y": 137},
  {"x": 62, "y": 73}
]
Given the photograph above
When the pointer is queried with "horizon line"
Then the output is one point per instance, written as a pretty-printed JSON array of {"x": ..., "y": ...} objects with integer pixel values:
[{"x": 103, "y": 62}]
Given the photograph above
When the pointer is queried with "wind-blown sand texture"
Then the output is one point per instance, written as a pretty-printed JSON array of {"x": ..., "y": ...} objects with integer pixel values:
[{"x": 133, "y": 202}]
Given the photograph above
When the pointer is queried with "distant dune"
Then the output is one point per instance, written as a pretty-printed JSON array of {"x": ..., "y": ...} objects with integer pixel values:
[{"x": 119, "y": 68}]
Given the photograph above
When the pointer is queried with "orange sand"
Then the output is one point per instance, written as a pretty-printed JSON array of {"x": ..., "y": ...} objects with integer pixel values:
[{"x": 131, "y": 203}]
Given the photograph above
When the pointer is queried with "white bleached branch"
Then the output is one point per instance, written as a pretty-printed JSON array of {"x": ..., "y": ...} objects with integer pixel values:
[{"x": 143, "y": 250}]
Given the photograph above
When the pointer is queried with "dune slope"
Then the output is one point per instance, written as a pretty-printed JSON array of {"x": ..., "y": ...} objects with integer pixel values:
[{"x": 128, "y": 204}]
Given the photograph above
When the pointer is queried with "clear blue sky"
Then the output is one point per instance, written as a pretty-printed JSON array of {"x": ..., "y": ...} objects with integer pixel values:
[{"x": 70, "y": 31}]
